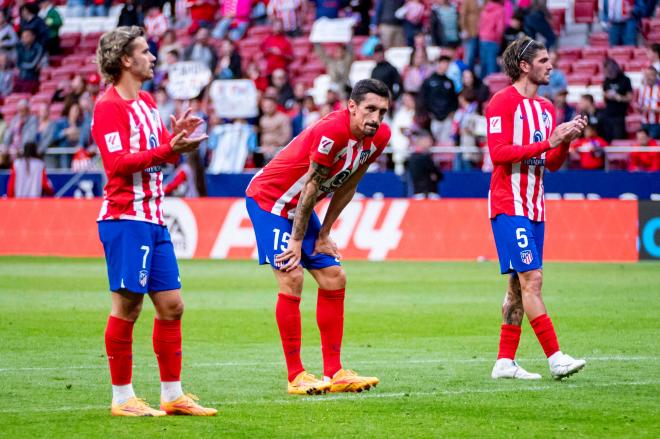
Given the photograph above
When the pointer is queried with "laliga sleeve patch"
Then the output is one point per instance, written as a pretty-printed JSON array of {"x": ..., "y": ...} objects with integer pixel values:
[
  {"x": 325, "y": 145},
  {"x": 495, "y": 125},
  {"x": 112, "y": 141}
]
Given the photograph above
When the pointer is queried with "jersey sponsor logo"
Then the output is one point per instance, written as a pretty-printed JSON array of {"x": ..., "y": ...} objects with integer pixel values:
[
  {"x": 337, "y": 181},
  {"x": 538, "y": 136},
  {"x": 526, "y": 256},
  {"x": 534, "y": 162},
  {"x": 154, "y": 169},
  {"x": 152, "y": 141},
  {"x": 113, "y": 142},
  {"x": 144, "y": 275},
  {"x": 495, "y": 125},
  {"x": 325, "y": 145}
]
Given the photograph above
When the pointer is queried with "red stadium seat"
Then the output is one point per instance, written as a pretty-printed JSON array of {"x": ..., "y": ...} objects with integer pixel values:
[
  {"x": 584, "y": 11},
  {"x": 621, "y": 51},
  {"x": 565, "y": 65},
  {"x": 616, "y": 161},
  {"x": 579, "y": 79},
  {"x": 596, "y": 53},
  {"x": 313, "y": 67},
  {"x": 636, "y": 65},
  {"x": 56, "y": 60},
  {"x": 640, "y": 53},
  {"x": 496, "y": 82},
  {"x": 597, "y": 79},
  {"x": 259, "y": 31},
  {"x": 300, "y": 52},
  {"x": 599, "y": 39},
  {"x": 586, "y": 66},
  {"x": 569, "y": 53},
  {"x": 558, "y": 20},
  {"x": 633, "y": 123},
  {"x": 41, "y": 98},
  {"x": 56, "y": 109},
  {"x": 48, "y": 86}
]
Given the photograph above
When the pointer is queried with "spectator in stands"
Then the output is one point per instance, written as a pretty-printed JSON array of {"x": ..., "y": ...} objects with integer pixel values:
[
  {"x": 202, "y": 13},
  {"x": 424, "y": 174},
  {"x": 230, "y": 145},
  {"x": 29, "y": 57},
  {"x": 283, "y": 90},
  {"x": 98, "y": 8},
  {"x": 333, "y": 98},
  {"x": 563, "y": 111},
  {"x": 274, "y": 128},
  {"x": 386, "y": 24},
  {"x": 189, "y": 180},
  {"x": 201, "y": 51},
  {"x": 68, "y": 132},
  {"x": 470, "y": 82},
  {"x": 491, "y": 30},
  {"x": 130, "y": 15},
  {"x": 537, "y": 21},
  {"x": 618, "y": 95},
  {"x": 386, "y": 72},
  {"x": 337, "y": 63},
  {"x": 45, "y": 130},
  {"x": 444, "y": 24},
  {"x": 235, "y": 20},
  {"x": 53, "y": 22},
  {"x": 87, "y": 113},
  {"x": 93, "y": 86},
  {"x": 306, "y": 116},
  {"x": 229, "y": 64},
  {"x": 514, "y": 30},
  {"x": 416, "y": 71},
  {"x": 76, "y": 8},
  {"x": 438, "y": 99},
  {"x": 253, "y": 73},
  {"x": 155, "y": 25},
  {"x": 588, "y": 151},
  {"x": 78, "y": 88},
  {"x": 401, "y": 126},
  {"x": 289, "y": 12},
  {"x": 644, "y": 161},
  {"x": 165, "y": 106},
  {"x": 557, "y": 79},
  {"x": 361, "y": 10},
  {"x": 653, "y": 53},
  {"x": 22, "y": 129},
  {"x": 463, "y": 129},
  {"x": 277, "y": 49},
  {"x": 31, "y": 20},
  {"x": 648, "y": 102},
  {"x": 587, "y": 107},
  {"x": 412, "y": 14},
  {"x": 8, "y": 37},
  {"x": 469, "y": 24},
  {"x": 328, "y": 8},
  {"x": 620, "y": 21},
  {"x": 28, "y": 178},
  {"x": 6, "y": 76},
  {"x": 62, "y": 91}
]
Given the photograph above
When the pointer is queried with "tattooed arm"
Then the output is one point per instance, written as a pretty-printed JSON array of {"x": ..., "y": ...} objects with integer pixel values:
[{"x": 316, "y": 175}]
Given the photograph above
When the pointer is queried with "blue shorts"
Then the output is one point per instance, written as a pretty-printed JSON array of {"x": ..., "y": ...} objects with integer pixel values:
[
  {"x": 273, "y": 232},
  {"x": 140, "y": 256},
  {"x": 519, "y": 243}
]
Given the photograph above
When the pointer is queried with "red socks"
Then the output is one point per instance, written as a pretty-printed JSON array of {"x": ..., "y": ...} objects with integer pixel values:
[
  {"x": 545, "y": 332},
  {"x": 119, "y": 348},
  {"x": 509, "y": 339},
  {"x": 287, "y": 314},
  {"x": 167, "y": 346},
  {"x": 330, "y": 319}
]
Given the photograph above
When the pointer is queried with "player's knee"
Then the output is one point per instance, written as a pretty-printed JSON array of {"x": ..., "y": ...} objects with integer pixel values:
[
  {"x": 292, "y": 282},
  {"x": 334, "y": 278},
  {"x": 127, "y": 311},
  {"x": 175, "y": 310},
  {"x": 533, "y": 281}
]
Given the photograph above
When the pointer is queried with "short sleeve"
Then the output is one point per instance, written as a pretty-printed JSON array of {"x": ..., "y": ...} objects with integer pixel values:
[{"x": 325, "y": 145}]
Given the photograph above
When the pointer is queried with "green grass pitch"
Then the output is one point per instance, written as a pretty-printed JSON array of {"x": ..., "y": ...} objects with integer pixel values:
[{"x": 428, "y": 330}]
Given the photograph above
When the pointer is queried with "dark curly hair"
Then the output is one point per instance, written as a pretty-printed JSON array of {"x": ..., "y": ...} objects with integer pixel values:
[{"x": 522, "y": 49}]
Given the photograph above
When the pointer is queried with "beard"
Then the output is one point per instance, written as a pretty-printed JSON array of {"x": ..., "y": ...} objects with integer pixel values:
[{"x": 539, "y": 79}]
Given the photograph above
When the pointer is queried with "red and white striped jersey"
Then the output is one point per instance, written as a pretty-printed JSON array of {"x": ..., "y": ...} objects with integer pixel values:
[
  {"x": 286, "y": 10},
  {"x": 647, "y": 99},
  {"x": 329, "y": 142},
  {"x": 518, "y": 129},
  {"x": 134, "y": 143}
]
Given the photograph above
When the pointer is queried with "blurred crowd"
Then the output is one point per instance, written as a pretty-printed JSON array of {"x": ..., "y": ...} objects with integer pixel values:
[{"x": 439, "y": 93}]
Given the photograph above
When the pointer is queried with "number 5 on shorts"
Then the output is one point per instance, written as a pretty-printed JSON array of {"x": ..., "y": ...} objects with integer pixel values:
[{"x": 521, "y": 237}]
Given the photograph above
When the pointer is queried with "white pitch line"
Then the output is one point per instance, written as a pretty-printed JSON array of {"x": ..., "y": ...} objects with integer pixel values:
[
  {"x": 354, "y": 397},
  {"x": 358, "y": 363}
]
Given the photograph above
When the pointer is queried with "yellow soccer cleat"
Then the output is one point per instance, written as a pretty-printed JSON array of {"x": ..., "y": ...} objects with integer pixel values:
[
  {"x": 135, "y": 407},
  {"x": 186, "y": 405},
  {"x": 348, "y": 381},
  {"x": 307, "y": 384}
]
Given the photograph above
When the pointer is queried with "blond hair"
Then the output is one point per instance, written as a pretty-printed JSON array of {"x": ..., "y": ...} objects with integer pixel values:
[{"x": 113, "y": 45}]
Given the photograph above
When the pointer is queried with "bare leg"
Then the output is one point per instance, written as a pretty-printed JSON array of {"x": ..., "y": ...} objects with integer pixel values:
[
  {"x": 531, "y": 283},
  {"x": 512, "y": 308}
]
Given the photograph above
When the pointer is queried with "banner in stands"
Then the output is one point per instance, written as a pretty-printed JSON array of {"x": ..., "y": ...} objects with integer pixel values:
[
  {"x": 332, "y": 30},
  {"x": 187, "y": 79},
  {"x": 370, "y": 229},
  {"x": 649, "y": 230},
  {"x": 234, "y": 98}
]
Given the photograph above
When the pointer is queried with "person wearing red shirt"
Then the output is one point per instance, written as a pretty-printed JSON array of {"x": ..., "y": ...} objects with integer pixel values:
[
  {"x": 523, "y": 141},
  {"x": 644, "y": 161},
  {"x": 277, "y": 49},
  {"x": 134, "y": 143},
  {"x": 588, "y": 150}
]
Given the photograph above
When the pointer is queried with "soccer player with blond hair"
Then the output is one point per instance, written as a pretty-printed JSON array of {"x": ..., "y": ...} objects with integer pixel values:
[
  {"x": 523, "y": 141},
  {"x": 134, "y": 143}
]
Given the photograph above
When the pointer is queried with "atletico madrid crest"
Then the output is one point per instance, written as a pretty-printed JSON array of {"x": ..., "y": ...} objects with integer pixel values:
[
  {"x": 526, "y": 256},
  {"x": 143, "y": 277}
]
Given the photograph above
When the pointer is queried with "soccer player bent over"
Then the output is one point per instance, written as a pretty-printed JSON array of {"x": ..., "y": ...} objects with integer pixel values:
[
  {"x": 330, "y": 156},
  {"x": 523, "y": 141},
  {"x": 134, "y": 143}
]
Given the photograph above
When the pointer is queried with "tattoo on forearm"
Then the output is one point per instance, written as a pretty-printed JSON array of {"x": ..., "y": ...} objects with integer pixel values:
[
  {"x": 512, "y": 309},
  {"x": 308, "y": 200}
]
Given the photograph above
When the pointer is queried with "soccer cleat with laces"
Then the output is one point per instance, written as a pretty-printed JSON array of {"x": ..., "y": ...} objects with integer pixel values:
[
  {"x": 507, "y": 368},
  {"x": 306, "y": 384},
  {"x": 186, "y": 405},
  {"x": 563, "y": 366},
  {"x": 135, "y": 407},
  {"x": 348, "y": 381}
]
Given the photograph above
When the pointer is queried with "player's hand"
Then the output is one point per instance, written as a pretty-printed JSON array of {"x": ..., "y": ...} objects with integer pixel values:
[
  {"x": 568, "y": 131},
  {"x": 290, "y": 258},
  {"x": 180, "y": 143},
  {"x": 186, "y": 122},
  {"x": 325, "y": 245}
]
